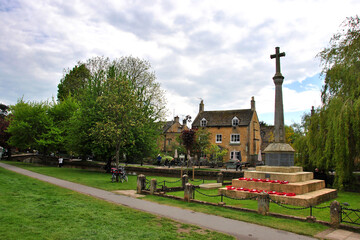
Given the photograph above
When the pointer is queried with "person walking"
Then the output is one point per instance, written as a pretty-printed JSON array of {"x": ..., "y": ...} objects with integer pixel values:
[{"x": 61, "y": 160}]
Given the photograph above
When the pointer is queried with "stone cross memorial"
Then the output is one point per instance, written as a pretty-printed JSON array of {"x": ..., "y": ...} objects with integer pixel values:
[
  {"x": 287, "y": 183},
  {"x": 279, "y": 153}
]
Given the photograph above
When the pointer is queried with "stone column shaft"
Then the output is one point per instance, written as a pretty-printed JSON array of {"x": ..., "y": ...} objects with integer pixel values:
[{"x": 279, "y": 131}]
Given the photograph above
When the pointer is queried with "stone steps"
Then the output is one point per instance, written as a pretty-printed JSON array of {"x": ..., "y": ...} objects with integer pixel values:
[
  {"x": 297, "y": 188},
  {"x": 305, "y": 200}
]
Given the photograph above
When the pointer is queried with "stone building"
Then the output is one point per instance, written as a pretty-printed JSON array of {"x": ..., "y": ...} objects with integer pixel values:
[
  {"x": 238, "y": 131},
  {"x": 170, "y": 132}
]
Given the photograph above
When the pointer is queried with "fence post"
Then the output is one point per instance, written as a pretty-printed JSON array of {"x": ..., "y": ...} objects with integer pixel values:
[
  {"x": 335, "y": 214},
  {"x": 140, "y": 183},
  {"x": 263, "y": 203},
  {"x": 188, "y": 192},
  {"x": 153, "y": 185},
  {"x": 220, "y": 178},
  {"x": 185, "y": 180},
  {"x": 311, "y": 218}
]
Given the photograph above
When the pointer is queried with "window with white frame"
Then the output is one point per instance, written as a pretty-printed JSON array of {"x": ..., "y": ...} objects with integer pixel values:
[
  {"x": 203, "y": 122},
  {"x": 235, "y": 155},
  {"x": 235, "y": 138},
  {"x": 218, "y": 138},
  {"x": 235, "y": 121}
]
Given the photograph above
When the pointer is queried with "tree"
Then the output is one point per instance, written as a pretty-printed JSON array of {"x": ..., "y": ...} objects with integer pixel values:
[
  {"x": 74, "y": 82},
  {"x": 333, "y": 136},
  {"x": 28, "y": 122},
  {"x": 202, "y": 141},
  {"x": 60, "y": 113},
  {"x": 188, "y": 139},
  {"x": 102, "y": 72},
  {"x": 4, "y": 124},
  {"x": 216, "y": 153}
]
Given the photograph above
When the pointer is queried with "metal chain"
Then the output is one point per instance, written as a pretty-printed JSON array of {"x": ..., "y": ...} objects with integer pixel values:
[
  {"x": 281, "y": 205},
  {"x": 321, "y": 207},
  {"x": 172, "y": 181},
  {"x": 207, "y": 194},
  {"x": 196, "y": 180},
  {"x": 250, "y": 198}
]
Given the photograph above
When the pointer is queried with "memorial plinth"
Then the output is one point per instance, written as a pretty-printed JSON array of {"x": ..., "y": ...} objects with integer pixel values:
[
  {"x": 279, "y": 154},
  {"x": 306, "y": 191},
  {"x": 283, "y": 181}
]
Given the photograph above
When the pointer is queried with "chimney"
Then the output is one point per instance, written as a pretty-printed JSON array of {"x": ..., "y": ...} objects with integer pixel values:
[
  {"x": 252, "y": 103},
  {"x": 201, "y": 106},
  {"x": 176, "y": 119},
  {"x": 184, "y": 122}
]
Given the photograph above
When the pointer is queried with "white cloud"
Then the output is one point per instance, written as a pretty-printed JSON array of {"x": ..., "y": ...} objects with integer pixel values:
[{"x": 219, "y": 52}]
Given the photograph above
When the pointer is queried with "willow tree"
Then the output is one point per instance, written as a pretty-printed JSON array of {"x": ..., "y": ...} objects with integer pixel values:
[{"x": 334, "y": 132}]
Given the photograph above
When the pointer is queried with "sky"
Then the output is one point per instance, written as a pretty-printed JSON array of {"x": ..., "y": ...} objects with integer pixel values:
[{"x": 217, "y": 51}]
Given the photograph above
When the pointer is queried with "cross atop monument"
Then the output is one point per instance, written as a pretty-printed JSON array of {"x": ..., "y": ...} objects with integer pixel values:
[{"x": 277, "y": 55}]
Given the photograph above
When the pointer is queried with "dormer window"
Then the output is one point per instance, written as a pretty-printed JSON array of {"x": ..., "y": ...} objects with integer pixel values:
[
  {"x": 203, "y": 122},
  {"x": 235, "y": 121}
]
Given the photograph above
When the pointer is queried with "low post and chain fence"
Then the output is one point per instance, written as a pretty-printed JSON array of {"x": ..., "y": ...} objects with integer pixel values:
[{"x": 338, "y": 212}]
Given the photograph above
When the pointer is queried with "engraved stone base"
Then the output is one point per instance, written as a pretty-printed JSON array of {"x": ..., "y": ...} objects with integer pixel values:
[{"x": 279, "y": 154}]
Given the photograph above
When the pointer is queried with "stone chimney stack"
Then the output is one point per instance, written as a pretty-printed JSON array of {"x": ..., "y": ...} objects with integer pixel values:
[
  {"x": 184, "y": 122},
  {"x": 176, "y": 119},
  {"x": 252, "y": 103},
  {"x": 201, "y": 106}
]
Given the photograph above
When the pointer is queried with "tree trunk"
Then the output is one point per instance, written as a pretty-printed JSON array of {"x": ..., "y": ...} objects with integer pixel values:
[{"x": 117, "y": 162}]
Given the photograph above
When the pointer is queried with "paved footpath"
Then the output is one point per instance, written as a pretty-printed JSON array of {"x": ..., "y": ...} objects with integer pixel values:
[{"x": 241, "y": 230}]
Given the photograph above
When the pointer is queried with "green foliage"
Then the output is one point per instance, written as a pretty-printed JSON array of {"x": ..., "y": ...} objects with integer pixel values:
[
  {"x": 121, "y": 98},
  {"x": 29, "y": 122},
  {"x": 74, "y": 82},
  {"x": 339, "y": 118},
  {"x": 105, "y": 107},
  {"x": 202, "y": 140},
  {"x": 216, "y": 153},
  {"x": 41, "y": 126},
  {"x": 332, "y": 139}
]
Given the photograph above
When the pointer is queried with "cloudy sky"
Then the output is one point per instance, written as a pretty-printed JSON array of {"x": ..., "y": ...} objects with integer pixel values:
[{"x": 218, "y": 51}]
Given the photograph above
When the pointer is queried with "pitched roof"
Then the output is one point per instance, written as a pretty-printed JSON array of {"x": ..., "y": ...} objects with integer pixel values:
[
  {"x": 167, "y": 125},
  {"x": 224, "y": 118}
]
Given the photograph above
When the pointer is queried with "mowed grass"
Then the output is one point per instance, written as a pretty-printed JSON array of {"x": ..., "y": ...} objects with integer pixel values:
[
  {"x": 102, "y": 180},
  {"x": 320, "y": 214},
  {"x": 31, "y": 209},
  {"x": 94, "y": 179}
]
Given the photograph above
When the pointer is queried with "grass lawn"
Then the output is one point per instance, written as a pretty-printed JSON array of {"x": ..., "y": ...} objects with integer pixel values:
[
  {"x": 320, "y": 214},
  {"x": 101, "y": 180},
  {"x": 31, "y": 209},
  {"x": 93, "y": 178}
]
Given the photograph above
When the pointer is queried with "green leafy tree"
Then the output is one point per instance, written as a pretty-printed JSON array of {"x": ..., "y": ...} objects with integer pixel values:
[
  {"x": 216, "y": 154},
  {"x": 29, "y": 122},
  {"x": 202, "y": 141},
  {"x": 339, "y": 118},
  {"x": 332, "y": 139},
  {"x": 74, "y": 82},
  {"x": 121, "y": 108},
  {"x": 101, "y": 70}
]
